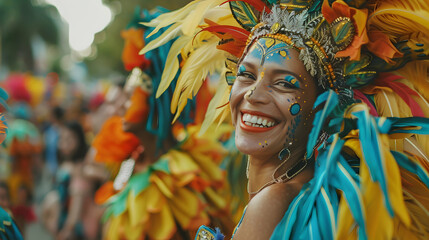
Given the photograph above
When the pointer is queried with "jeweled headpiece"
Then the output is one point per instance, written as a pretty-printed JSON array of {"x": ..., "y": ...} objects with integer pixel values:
[
  {"x": 341, "y": 47},
  {"x": 343, "y": 44}
]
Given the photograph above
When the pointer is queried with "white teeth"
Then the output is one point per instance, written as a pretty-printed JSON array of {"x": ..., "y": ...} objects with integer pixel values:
[
  {"x": 246, "y": 117},
  {"x": 253, "y": 119}
]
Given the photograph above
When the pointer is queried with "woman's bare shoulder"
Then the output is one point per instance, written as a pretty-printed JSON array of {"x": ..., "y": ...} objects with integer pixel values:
[{"x": 265, "y": 210}]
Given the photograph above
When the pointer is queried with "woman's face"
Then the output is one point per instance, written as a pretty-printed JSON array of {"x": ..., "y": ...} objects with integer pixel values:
[
  {"x": 68, "y": 142},
  {"x": 272, "y": 99}
]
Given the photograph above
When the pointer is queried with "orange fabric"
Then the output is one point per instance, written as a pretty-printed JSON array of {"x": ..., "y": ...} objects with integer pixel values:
[
  {"x": 139, "y": 108},
  {"x": 382, "y": 47},
  {"x": 130, "y": 54},
  {"x": 112, "y": 143},
  {"x": 104, "y": 193}
]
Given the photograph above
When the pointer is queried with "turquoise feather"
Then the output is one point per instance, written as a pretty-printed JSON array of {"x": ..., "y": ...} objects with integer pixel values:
[
  {"x": 330, "y": 99},
  {"x": 368, "y": 136},
  {"x": 412, "y": 167}
]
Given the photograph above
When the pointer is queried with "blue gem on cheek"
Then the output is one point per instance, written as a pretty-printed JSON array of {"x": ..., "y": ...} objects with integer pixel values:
[{"x": 295, "y": 109}]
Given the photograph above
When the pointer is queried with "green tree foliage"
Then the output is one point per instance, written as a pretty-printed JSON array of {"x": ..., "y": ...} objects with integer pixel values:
[
  {"x": 20, "y": 23},
  {"x": 108, "y": 58}
]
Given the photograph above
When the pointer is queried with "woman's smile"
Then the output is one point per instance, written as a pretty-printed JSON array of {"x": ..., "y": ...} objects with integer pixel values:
[{"x": 253, "y": 121}]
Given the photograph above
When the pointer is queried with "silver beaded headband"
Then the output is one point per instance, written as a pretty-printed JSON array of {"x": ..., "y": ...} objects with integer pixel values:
[{"x": 311, "y": 36}]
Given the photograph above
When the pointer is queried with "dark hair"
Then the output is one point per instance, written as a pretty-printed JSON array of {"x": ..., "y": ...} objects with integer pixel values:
[
  {"x": 82, "y": 147},
  {"x": 5, "y": 186},
  {"x": 58, "y": 113}
]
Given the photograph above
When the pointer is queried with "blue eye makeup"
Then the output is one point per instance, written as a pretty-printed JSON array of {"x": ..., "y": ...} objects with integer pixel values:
[
  {"x": 241, "y": 69},
  {"x": 292, "y": 80}
]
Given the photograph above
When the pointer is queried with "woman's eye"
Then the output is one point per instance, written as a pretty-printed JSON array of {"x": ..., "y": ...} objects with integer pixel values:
[
  {"x": 288, "y": 82},
  {"x": 246, "y": 75}
]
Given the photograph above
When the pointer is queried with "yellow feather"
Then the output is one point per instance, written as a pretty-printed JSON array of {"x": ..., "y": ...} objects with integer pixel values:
[
  {"x": 162, "y": 224},
  {"x": 172, "y": 64},
  {"x": 167, "y": 19},
  {"x": 400, "y": 18},
  {"x": 196, "y": 17},
  {"x": 417, "y": 73},
  {"x": 213, "y": 112},
  {"x": 205, "y": 60},
  {"x": 170, "y": 33}
]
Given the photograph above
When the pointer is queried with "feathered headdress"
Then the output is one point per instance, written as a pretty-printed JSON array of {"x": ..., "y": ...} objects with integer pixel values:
[
  {"x": 147, "y": 71},
  {"x": 374, "y": 52}
]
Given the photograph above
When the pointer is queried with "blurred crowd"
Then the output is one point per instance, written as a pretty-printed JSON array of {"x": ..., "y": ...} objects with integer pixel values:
[{"x": 48, "y": 174}]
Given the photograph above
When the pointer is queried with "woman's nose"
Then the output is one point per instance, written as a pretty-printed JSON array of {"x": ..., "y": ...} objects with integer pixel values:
[{"x": 258, "y": 93}]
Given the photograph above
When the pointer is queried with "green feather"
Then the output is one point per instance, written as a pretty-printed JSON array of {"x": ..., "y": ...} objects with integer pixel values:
[{"x": 244, "y": 14}]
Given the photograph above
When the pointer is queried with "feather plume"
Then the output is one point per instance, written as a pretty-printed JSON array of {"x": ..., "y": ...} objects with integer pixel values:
[
  {"x": 196, "y": 17},
  {"x": 172, "y": 64},
  {"x": 169, "y": 34},
  {"x": 402, "y": 90},
  {"x": 206, "y": 59},
  {"x": 257, "y": 4},
  {"x": 400, "y": 18},
  {"x": 167, "y": 19},
  {"x": 417, "y": 73},
  {"x": 213, "y": 112},
  {"x": 244, "y": 14}
]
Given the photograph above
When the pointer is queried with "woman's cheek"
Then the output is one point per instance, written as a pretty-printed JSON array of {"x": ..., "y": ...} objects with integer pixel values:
[{"x": 234, "y": 100}]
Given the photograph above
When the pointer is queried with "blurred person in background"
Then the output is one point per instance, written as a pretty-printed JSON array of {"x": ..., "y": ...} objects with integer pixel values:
[
  {"x": 65, "y": 208},
  {"x": 4, "y": 196},
  {"x": 51, "y": 137},
  {"x": 24, "y": 147}
]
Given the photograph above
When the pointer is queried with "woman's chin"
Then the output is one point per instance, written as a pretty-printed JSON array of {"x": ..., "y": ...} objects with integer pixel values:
[{"x": 253, "y": 149}]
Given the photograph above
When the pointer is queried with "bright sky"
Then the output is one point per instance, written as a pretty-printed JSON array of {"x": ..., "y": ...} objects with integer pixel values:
[{"x": 85, "y": 19}]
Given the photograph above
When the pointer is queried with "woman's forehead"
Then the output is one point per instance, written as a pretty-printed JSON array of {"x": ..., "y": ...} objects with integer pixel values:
[{"x": 269, "y": 50}]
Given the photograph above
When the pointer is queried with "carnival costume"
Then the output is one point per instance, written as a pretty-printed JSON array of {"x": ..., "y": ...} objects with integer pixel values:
[
  {"x": 8, "y": 228},
  {"x": 371, "y": 60},
  {"x": 172, "y": 197}
]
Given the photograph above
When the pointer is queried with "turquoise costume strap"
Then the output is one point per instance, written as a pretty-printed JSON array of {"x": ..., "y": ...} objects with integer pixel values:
[{"x": 206, "y": 233}]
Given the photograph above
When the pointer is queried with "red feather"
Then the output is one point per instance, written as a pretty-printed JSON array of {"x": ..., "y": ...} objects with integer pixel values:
[
  {"x": 235, "y": 32},
  {"x": 257, "y": 4},
  {"x": 233, "y": 39},
  {"x": 360, "y": 96},
  {"x": 389, "y": 80}
]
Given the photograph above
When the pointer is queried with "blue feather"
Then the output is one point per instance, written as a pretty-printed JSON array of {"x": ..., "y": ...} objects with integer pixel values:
[
  {"x": 330, "y": 98},
  {"x": 411, "y": 166},
  {"x": 368, "y": 136}
]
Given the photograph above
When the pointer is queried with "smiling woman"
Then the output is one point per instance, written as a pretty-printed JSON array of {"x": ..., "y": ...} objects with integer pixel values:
[{"x": 303, "y": 79}]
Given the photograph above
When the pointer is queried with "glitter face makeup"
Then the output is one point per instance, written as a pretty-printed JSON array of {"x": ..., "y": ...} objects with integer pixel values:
[{"x": 271, "y": 93}]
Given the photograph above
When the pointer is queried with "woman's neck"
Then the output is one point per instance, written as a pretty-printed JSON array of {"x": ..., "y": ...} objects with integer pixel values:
[{"x": 261, "y": 172}]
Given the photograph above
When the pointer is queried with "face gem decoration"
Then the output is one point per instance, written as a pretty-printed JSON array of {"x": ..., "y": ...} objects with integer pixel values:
[
  {"x": 295, "y": 109},
  {"x": 292, "y": 80},
  {"x": 267, "y": 102}
]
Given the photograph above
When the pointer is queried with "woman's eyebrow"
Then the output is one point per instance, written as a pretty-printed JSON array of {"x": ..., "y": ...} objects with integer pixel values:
[
  {"x": 284, "y": 71},
  {"x": 248, "y": 65}
]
